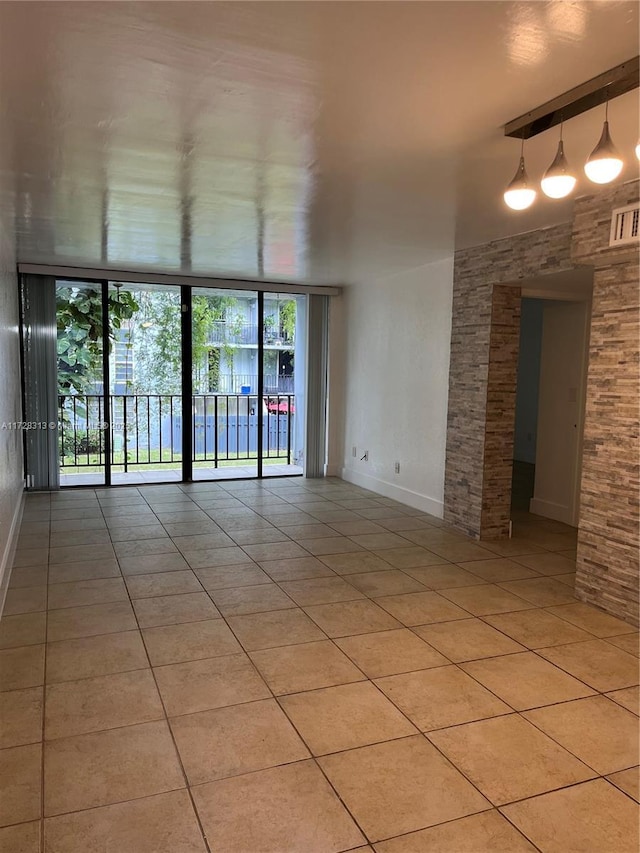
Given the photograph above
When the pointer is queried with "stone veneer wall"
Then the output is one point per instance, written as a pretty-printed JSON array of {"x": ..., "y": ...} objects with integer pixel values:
[
  {"x": 608, "y": 564},
  {"x": 484, "y": 355}
]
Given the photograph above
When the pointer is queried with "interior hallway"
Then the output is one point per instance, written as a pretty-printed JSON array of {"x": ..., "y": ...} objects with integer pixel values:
[{"x": 301, "y": 666}]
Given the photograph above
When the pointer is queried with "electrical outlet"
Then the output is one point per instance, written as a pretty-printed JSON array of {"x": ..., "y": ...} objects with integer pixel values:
[
  {"x": 354, "y": 451},
  {"x": 396, "y": 467}
]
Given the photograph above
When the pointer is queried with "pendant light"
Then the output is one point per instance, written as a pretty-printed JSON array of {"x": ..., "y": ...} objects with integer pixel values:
[
  {"x": 558, "y": 181},
  {"x": 605, "y": 164},
  {"x": 520, "y": 195}
]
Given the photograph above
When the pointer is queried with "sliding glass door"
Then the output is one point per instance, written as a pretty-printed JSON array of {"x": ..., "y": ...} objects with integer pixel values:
[
  {"x": 227, "y": 401},
  {"x": 148, "y": 383}
]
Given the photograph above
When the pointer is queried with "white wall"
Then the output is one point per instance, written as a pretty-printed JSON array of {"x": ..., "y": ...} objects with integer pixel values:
[
  {"x": 563, "y": 370},
  {"x": 397, "y": 335},
  {"x": 10, "y": 395},
  {"x": 526, "y": 423}
]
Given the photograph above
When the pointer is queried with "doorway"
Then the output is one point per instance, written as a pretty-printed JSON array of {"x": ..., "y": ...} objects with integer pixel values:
[{"x": 550, "y": 399}]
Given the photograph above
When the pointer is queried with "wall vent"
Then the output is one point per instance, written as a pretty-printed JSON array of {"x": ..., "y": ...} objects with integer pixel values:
[{"x": 624, "y": 225}]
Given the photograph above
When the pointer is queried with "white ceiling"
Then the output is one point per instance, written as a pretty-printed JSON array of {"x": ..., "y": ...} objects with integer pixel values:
[{"x": 325, "y": 142}]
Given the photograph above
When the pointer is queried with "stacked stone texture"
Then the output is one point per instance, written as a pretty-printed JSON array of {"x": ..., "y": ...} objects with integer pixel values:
[
  {"x": 608, "y": 562},
  {"x": 484, "y": 361}
]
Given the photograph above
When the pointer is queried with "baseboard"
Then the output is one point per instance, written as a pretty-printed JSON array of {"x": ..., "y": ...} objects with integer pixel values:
[
  {"x": 548, "y": 509},
  {"x": 6, "y": 559},
  {"x": 397, "y": 493}
]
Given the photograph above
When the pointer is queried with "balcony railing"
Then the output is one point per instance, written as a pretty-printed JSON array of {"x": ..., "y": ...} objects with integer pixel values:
[
  {"x": 246, "y": 334},
  {"x": 146, "y": 429}
]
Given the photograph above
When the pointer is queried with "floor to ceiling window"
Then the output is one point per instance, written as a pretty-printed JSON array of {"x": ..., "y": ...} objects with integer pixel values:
[{"x": 161, "y": 383}]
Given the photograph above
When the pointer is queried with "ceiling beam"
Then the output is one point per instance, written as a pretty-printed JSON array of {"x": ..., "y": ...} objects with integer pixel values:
[{"x": 613, "y": 83}]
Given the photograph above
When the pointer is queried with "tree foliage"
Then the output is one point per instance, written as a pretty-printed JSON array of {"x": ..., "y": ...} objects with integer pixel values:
[{"x": 79, "y": 333}]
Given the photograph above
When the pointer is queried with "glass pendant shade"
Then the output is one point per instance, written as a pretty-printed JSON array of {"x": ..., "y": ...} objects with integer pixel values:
[
  {"x": 605, "y": 164},
  {"x": 520, "y": 195},
  {"x": 558, "y": 181}
]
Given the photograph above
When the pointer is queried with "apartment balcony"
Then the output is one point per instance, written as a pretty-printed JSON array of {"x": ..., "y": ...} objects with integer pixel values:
[{"x": 246, "y": 334}]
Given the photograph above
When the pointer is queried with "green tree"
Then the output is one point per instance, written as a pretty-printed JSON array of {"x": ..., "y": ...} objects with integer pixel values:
[
  {"x": 80, "y": 330},
  {"x": 288, "y": 319}
]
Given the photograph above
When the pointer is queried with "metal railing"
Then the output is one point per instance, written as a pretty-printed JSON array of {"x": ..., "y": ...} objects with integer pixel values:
[
  {"x": 146, "y": 429},
  {"x": 246, "y": 334}
]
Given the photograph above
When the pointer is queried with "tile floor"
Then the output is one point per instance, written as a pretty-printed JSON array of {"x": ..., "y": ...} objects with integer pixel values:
[{"x": 305, "y": 667}]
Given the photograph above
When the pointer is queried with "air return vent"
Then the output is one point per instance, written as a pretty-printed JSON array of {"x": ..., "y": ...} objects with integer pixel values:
[{"x": 624, "y": 225}]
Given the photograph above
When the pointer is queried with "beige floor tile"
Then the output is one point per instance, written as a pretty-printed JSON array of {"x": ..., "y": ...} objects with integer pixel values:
[
  {"x": 628, "y": 781},
  {"x": 292, "y": 669},
  {"x": 145, "y": 547},
  {"x": 26, "y": 629},
  {"x": 173, "y": 609},
  {"x": 569, "y": 580},
  {"x": 84, "y": 570},
  {"x": 420, "y": 608},
  {"x": 628, "y": 697},
  {"x": 227, "y": 577},
  {"x": 537, "y": 628},
  {"x": 20, "y": 783},
  {"x": 543, "y": 592},
  {"x": 308, "y": 531},
  {"x": 30, "y": 557},
  {"x": 275, "y": 551},
  {"x": 349, "y": 564},
  {"x": 509, "y": 759},
  {"x": 443, "y": 576},
  {"x": 293, "y": 808},
  {"x": 409, "y": 556},
  {"x": 547, "y": 563},
  {"x": 330, "y": 545},
  {"x": 201, "y": 685},
  {"x": 163, "y": 583},
  {"x": 83, "y": 593},
  {"x": 400, "y": 786},
  {"x": 593, "y": 818},
  {"x": 393, "y": 582},
  {"x": 597, "y": 663},
  {"x": 445, "y": 696},
  {"x": 164, "y": 823},
  {"x": 498, "y": 570},
  {"x": 467, "y": 639},
  {"x": 203, "y": 541},
  {"x": 101, "y": 768},
  {"x": 105, "y": 702},
  {"x": 23, "y": 578},
  {"x": 257, "y": 537},
  {"x": 22, "y": 838},
  {"x": 525, "y": 680},
  {"x": 21, "y": 667},
  {"x": 350, "y": 715},
  {"x": 511, "y": 547},
  {"x": 275, "y": 628},
  {"x": 351, "y": 617},
  {"x": 74, "y": 553},
  {"x": 189, "y": 641},
  {"x": 29, "y": 600},
  {"x": 402, "y": 523},
  {"x": 459, "y": 552},
  {"x": 592, "y": 620},
  {"x": 89, "y": 621},
  {"x": 296, "y": 568},
  {"x": 357, "y": 528},
  {"x": 628, "y": 643},
  {"x": 68, "y": 660},
  {"x": 251, "y": 599},
  {"x": 146, "y": 564},
  {"x": 390, "y": 652},
  {"x": 146, "y": 531},
  {"x": 596, "y": 730},
  {"x": 239, "y": 739},
  {"x": 313, "y": 591},
  {"x": 485, "y": 599},
  {"x": 21, "y": 717},
  {"x": 487, "y": 832}
]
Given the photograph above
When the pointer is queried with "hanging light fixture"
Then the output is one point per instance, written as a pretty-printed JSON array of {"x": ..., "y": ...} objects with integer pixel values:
[
  {"x": 558, "y": 181},
  {"x": 520, "y": 195},
  {"x": 605, "y": 164}
]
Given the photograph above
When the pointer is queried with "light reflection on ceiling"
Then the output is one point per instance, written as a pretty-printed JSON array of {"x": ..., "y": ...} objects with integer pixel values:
[{"x": 310, "y": 141}]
